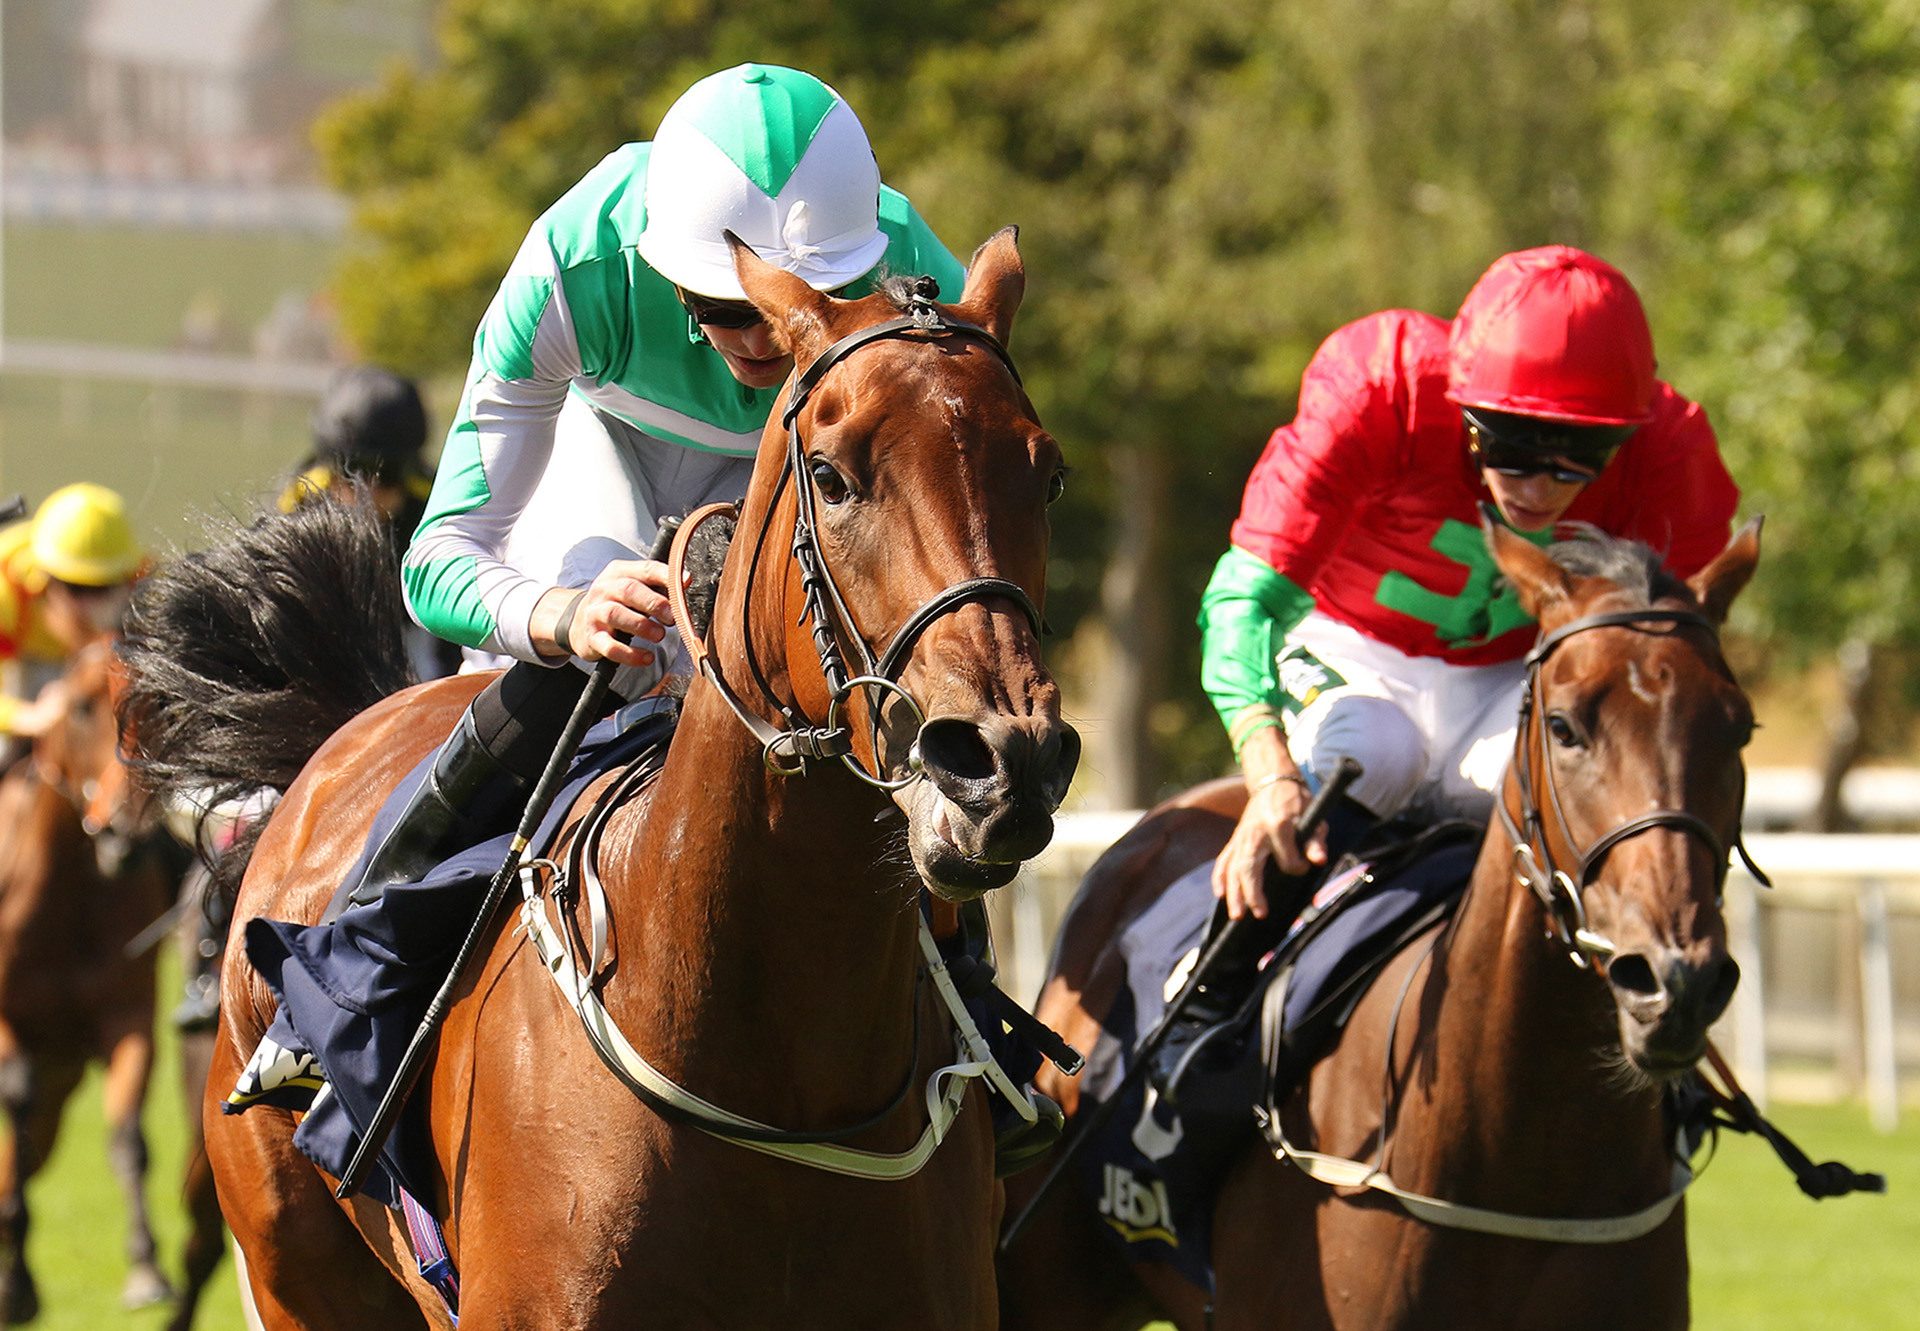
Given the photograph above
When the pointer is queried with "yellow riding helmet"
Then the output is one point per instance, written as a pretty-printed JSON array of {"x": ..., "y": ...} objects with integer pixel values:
[{"x": 81, "y": 535}]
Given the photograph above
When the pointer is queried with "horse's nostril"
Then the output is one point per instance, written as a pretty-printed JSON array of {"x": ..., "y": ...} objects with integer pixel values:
[
  {"x": 954, "y": 748},
  {"x": 1722, "y": 977},
  {"x": 1634, "y": 974},
  {"x": 1066, "y": 762}
]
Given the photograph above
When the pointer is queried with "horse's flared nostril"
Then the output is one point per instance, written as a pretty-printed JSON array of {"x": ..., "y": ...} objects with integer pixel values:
[
  {"x": 1060, "y": 759},
  {"x": 1708, "y": 987},
  {"x": 958, "y": 758},
  {"x": 1633, "y": 974}
]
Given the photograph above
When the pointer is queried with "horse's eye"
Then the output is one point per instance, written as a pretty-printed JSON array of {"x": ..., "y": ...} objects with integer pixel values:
[
  {"x": 1056, "y": 484},
  {"x": 1563, "y": 731},
  {"x": 831, "y": 484}
]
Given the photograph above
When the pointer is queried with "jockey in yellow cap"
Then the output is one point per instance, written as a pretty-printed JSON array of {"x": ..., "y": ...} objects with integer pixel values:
[{"x": 65, "y": 577}]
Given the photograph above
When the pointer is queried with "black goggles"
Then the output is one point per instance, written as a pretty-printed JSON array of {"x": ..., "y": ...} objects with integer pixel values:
[
  {"x": 85, "y": 591},
  {"x": 1522, "y": 446},
  {"x": 721, "y": 313},
  {"x": 735, "y": 314}
]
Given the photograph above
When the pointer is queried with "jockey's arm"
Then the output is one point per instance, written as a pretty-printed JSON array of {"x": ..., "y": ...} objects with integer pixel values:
[
  {"x": 457, "y": 584},
  {"x": 1246, "y": 614}
]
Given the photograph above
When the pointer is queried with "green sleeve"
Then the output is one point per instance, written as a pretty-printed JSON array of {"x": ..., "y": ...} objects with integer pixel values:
[{"x": 1245, "y": 614}]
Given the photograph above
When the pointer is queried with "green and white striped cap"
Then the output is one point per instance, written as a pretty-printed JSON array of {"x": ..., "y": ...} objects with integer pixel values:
[{"x": 776, "y": 157}]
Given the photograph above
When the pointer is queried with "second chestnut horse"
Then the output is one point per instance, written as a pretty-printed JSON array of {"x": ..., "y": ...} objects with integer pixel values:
[{"x": 1513, "y": 1062}]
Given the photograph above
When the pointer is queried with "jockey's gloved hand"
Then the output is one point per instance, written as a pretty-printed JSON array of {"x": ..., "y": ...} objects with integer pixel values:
[{"x": 629, "y": 597}]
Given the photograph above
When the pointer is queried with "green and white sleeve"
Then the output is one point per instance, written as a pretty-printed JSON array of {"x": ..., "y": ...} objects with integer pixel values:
[
  {"x": 1246, "y": 613},
  {"x": 525, "y": 355}
]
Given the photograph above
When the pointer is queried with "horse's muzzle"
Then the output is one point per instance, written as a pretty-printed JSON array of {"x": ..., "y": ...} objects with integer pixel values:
[
  {"x": 1668, "y": 1001},
  {"x": 995, "y": 783}
]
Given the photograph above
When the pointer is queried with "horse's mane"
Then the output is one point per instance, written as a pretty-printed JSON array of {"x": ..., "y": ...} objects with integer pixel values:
[{"x": 1634, "y": 568}]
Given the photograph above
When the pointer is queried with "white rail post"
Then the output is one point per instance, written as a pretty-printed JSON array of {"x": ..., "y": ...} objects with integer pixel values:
[
  {"x": 1029, "y": 938},
  {"x": 1876, "y": 1007},
  {"x": 1744, "y": 925}
]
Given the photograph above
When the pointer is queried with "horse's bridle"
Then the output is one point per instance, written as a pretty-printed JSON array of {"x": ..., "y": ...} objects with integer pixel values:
[
  {"x": 788, "y": 751},
  {"x": 1560, "y": 893}
]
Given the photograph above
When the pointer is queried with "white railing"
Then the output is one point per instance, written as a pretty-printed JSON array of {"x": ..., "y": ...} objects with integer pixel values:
[{"x": 1868, "y": 882}]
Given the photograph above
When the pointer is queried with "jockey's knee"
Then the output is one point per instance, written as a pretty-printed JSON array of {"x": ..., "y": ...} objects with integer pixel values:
[
  {"x": 1375, "y": 733},
  {"x": 518, "y": 717}
]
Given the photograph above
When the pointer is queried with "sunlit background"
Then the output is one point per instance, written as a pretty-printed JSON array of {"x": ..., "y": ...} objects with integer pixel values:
[{"x": 208, "y": 205}]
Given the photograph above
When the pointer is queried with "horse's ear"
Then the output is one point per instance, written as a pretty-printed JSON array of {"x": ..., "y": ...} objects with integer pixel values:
[
  {"x": 797, "y": 313},
  {"x": 1719, "y": 582},
  {"x": 996, "y": 279},
  {"x": 1540, "y": 582}
]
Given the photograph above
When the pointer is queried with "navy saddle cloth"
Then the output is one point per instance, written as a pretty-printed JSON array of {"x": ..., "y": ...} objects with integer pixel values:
[
  {"x": 1153, "y": 1171},
  {"x": 354, "y": 991}
]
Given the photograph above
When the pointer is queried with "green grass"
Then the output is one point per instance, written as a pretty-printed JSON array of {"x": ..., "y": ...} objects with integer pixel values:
[
  {"x": 132, "y": 286},
  {"x": 1765, "y": 1256}
]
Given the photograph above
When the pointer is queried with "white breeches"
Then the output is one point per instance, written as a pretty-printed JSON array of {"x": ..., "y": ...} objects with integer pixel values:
[{"x": 1434, "y": 738}]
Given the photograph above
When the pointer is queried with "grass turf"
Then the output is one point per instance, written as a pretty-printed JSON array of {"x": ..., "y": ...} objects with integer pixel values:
[{"x": 1765, "y": 1258}]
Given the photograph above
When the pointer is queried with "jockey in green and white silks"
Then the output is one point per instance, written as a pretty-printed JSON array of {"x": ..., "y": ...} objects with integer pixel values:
[
  {"x": 618, "y": 377},
  {"x": 595, "y": 404}
]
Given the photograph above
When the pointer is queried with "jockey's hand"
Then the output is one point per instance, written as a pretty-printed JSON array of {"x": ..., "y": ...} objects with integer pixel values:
[
  {"x": 629, "y": 596},
  {"x": 1267, "y": 832}
]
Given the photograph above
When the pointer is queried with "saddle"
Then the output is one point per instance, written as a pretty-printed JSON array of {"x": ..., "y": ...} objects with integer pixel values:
[{"x": 1155, "y": 1170}]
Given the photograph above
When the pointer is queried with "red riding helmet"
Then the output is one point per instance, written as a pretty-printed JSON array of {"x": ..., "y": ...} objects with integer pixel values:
[{"x": 1555, "y": 333}]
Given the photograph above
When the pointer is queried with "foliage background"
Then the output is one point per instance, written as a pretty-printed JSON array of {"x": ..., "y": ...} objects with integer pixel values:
[{"x": 1207, "y": 189}]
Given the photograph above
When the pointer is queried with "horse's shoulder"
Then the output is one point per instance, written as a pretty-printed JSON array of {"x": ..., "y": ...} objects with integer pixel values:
[{"x": 1168, "y": 841}]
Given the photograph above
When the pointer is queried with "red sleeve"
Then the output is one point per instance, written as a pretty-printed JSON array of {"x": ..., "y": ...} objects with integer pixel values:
[
  {"x": 1685, "y": 497},
  {"x": 1341, "y": 448}
]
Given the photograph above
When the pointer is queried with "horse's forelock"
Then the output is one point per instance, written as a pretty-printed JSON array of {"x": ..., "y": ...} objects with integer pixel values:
[{"x": 1632, "y": 567}]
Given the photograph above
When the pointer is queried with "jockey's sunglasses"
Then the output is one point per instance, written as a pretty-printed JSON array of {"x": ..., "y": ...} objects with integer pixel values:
[
  {"x": 1520, "y": 447},
  {"x": 735, "y": 314},
  {"x": 720, "y": 313},
  {"x": 82, "y": 591}
]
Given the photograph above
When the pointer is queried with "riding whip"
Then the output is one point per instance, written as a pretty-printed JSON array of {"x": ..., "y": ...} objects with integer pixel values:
[
  {"x": 414, "y": 1061},
  {"x": 1310, "y": 819}
]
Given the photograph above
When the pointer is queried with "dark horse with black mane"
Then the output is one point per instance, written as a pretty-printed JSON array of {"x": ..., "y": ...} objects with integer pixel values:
[
  {"x": 767, "y": 952},
  {"x": 1485, "y": 1146}
]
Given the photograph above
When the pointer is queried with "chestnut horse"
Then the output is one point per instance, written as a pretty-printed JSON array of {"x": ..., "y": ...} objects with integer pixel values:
[
  {"x": 1510, "y": 1062},
  {"x": 69, "y": 993},
  {"x": 768, "y": 944}
]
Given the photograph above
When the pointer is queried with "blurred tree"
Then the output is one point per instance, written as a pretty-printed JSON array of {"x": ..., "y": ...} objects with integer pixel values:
[
  {"x": 1208, "y": 190},
  {"x": 1777, "y": 147},
  {"x": 447, "y": 166}
]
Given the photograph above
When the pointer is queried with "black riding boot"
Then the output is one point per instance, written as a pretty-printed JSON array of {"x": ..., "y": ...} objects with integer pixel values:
[
  {"x": 462, "y": 771},
  {"x": 1201, "y": 1037},
  {"x": 495, "y": 754}
]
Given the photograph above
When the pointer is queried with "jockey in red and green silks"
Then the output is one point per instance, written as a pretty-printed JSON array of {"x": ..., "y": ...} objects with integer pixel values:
[{"x": 1358, "y": 611}]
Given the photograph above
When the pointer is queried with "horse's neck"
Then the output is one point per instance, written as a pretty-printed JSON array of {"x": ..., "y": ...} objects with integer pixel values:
[
  {"x": 767, "y": 938},
  {"x": 1525, "y": 1051}
]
